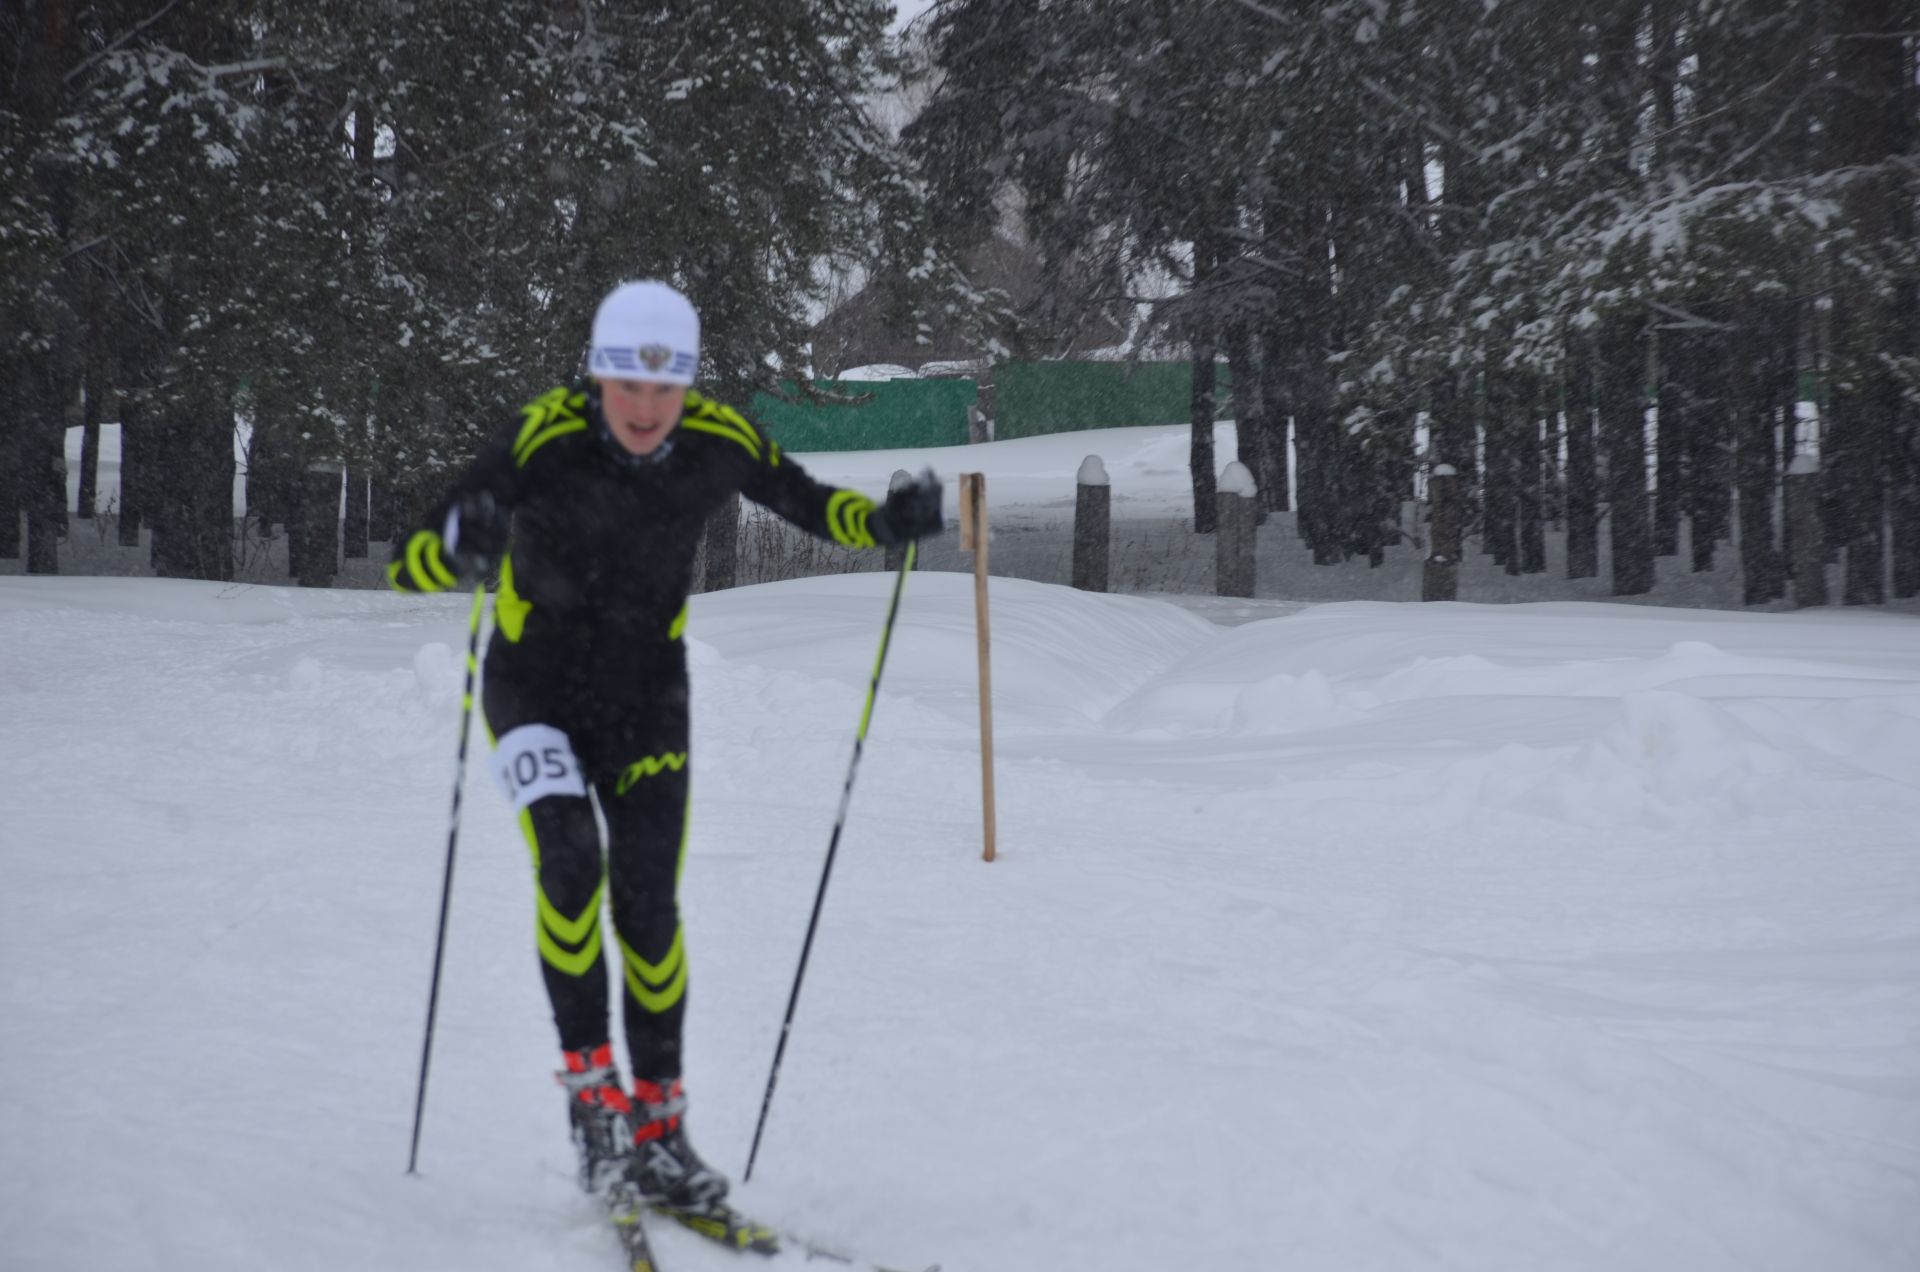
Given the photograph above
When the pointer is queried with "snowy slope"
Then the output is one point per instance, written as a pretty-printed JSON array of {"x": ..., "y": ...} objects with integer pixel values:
[{"x": 1368, "y": 937}]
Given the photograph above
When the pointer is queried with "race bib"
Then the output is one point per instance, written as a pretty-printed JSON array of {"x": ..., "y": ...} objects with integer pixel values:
[{"x": 536, "y": 760}]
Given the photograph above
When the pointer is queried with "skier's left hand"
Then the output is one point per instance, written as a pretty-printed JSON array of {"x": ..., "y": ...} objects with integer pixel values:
[{"x": 912, "y": 511}]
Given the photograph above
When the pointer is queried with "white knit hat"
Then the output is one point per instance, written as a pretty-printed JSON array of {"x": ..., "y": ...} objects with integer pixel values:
[{"x": 645, "y": 331}]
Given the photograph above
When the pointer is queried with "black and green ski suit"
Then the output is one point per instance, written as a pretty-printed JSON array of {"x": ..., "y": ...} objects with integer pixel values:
[{"x": 585, "y": 685}]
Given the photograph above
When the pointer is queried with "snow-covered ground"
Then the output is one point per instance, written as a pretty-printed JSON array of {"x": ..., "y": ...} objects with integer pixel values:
[{"x": 1365, "y": 936}]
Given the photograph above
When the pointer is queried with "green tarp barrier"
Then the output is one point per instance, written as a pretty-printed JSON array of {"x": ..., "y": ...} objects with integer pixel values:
[
  {"x": 1030, "y": 399},
  {"x": 896, "y": 414},
  {"x": 1035, "y": 398}
]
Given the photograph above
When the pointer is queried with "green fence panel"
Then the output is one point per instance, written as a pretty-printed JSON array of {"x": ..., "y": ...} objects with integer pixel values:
[
  {"x": 1035, "y": 398},
  {"x": 895, "y": 414}
]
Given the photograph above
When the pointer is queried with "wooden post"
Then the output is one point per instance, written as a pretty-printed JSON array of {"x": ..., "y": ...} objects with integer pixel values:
[
  {"x": 1441, "y": 580},
  {"x": 973, "y": 538},
  {"x": 1092, "y": 526},
  {"x": 1805, "y": 532},
  {"x": 1234, "y": 499},
  {"x": 897, "y": 552}
]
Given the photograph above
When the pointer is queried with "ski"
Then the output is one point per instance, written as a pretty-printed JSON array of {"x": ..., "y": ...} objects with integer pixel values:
[
  {"x": 726, "y": 1226},
  {"x": 823, "y": 1253},
  {"x": 723, "y": 1224},
  {"x": 625, "y": 1207}
]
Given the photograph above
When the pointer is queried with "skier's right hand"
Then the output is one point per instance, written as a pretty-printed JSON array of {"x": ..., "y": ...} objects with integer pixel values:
[
  {"x": 912, "y": 511},
  {"x": 474, "y": 537}
]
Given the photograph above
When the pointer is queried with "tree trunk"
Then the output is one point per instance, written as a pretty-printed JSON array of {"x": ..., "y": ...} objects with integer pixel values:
[
  {"x": 1757, "y": 398},
  {"x": 354, "y": 535},
  {"x": 133, "y": 450},
  {"x": 13, "y": 453},
  {"x": 193, "y": 503},
  {"x": 1275, "y": 475},
  {"x": 1499, "y": 517},
  {"x": 1669, "y": 495},
  {"x": 1440, "y": 580},
  {"x": 89, "y": 493},
  {"x": 46, "y": 492},
  {"x": 319, "y": 517},
  {"x": 1871, "y": 125},
  {"x": 1583, "y": 482},
  {"x": 1450, "y": 434},
  {"x": 1906, "y": 510},
  {"x": 1530, "y": 486},
  {"x": 383, "y": 509},
  {"x": 1389, "y": 481},
  {"x": 1623, "y": 428},
  {"x": 1253, "y": 440},
  {"x": 272, "y": 482},
  {"x": 1809, "y": 553},
  {"x": 1201, "y": 460},
  {"x": 1709, "y": 467}
]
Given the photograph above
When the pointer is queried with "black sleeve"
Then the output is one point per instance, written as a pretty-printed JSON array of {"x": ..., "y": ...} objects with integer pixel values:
[{"x": 772, "y": 478}]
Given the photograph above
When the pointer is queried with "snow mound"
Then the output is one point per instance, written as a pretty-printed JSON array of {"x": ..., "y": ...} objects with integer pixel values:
[
  {"x": 1057, "y": 653},
  {"x": 1598, "y": 716}
]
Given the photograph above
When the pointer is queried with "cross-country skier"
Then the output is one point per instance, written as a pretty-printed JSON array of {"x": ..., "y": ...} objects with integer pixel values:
[{"x": 590, "y": 506}]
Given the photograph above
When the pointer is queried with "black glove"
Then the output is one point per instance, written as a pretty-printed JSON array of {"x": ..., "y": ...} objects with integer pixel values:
[
  {"x": 474, "y": 537},
  {"x": 912, "y": 511}
]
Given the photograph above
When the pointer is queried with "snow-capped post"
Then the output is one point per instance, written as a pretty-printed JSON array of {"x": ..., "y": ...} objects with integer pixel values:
[
  {"x": 317, "y": 548},
  {"x": 1805, "y": 531},
  {"x": 1441, "y": 579},
  {"x": 973, "y": 538},
  {"x": 897, "y": 552},
  {"x": 1092, "y": 526},
  {"x": 1233, "y": 541},
  {"x": 979, "y": 428}
]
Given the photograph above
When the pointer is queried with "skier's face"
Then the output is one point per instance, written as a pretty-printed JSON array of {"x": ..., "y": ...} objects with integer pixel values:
[{"x": 641, "y": 413}]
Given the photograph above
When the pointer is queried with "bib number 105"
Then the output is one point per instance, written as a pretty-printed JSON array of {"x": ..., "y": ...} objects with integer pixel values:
[{"x": 534, "y": 761}]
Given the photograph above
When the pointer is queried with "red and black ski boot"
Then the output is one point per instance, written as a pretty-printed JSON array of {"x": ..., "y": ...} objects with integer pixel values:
[
  {"x": 599, "y": 1115},
  {"x": 663, "y": 1165}
]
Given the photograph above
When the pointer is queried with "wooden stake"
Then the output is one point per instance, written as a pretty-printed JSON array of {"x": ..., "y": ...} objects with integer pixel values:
[{"x": 973, "y": 538}]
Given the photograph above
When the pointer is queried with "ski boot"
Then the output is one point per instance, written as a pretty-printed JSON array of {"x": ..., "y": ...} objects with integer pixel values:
[
  {"x": 663, "y": 1166},
  {"x": 599, "y": 1115}
]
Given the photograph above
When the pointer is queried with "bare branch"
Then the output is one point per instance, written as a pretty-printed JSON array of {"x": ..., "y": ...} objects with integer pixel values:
[
  {"x": 1687, "y": 321},
  {"x": 122, "y": 38},
  {"x": 86, "y": 247}
]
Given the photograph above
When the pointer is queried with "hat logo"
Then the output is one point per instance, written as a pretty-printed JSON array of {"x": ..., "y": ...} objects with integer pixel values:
[{"x": 654, "y": 357}]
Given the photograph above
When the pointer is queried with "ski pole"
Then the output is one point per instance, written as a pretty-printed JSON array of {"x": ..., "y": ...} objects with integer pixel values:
[
  {"x": 446, "y": 884},
  {"x": 833, "y": 846}
]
